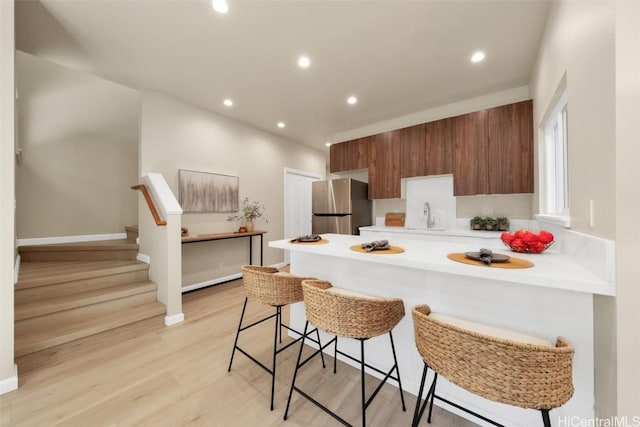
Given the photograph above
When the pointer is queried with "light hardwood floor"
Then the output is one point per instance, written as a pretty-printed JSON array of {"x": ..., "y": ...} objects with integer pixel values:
[{"x": 146, "y": 374}]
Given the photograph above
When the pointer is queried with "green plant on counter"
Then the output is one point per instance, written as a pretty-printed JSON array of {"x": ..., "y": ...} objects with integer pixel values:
[
  {"x": 490, "y": 223},
  {"x": 502, "y": 223},
  {"x": 476, "y": 223}
]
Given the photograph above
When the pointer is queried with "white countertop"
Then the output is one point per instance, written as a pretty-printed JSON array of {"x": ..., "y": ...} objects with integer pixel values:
[
  {"x": 551, "y": 269},
  {"x": 456, "y": 232}
]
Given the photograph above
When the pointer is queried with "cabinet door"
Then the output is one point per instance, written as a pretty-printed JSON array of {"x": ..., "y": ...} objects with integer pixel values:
[
  {"x": 384, "y": 166},
  {"x": 438, "y": 147},
  {"x": 510, "y": 148},
  {"x": 349, "y": 155},
  {"x": 469, "y": 154},
  {"x": 413, "y": 151}
]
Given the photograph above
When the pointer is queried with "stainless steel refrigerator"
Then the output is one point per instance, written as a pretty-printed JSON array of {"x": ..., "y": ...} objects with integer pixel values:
[{"x": 340, "y": 206}]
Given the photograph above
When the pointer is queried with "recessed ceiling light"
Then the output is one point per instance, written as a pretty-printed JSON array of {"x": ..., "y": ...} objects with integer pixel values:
[
  {"x": 304, "y": 62},
  {"x": 220, "y": 6},
  {"x": 328, "y": 144},
  {"x": 352, "y": 100},
  {"x": 477, "y": 57},
  {"x": 228, "y": 102},
  {"x": 281, "y": 125}
]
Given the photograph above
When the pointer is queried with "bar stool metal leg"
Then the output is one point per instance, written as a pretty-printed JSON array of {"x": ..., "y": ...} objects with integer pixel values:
[
  {"x": 335, "y": 356},
  {"x": 275, "y": 353},
  {"x": 362, "y": 377},
  {"x": 235, "y": 343},
  {"x": 295, "y": 373},
  {"x": 432, "y": 391},
  {"x": 395, "y": 360},
  {"x": 417, "y": 413},
  {"x": 545, "y": 417}
]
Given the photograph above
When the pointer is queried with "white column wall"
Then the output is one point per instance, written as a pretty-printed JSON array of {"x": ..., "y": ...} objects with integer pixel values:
[{"x": 8, "y": 370}]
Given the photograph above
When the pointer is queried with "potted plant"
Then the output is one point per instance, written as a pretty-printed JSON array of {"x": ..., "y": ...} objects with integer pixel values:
[
  {"x": 490, "y": 223},
  {"x": 248, "y": 212},
  {"x": 502, "y": 223},
  {"x": 476, "y": 223}
]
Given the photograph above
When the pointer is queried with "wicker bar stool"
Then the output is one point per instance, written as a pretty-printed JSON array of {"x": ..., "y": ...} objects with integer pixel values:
[
  {"x": 499, "y": 365},
  {"x": 267, "y": 285},
  {"x": 347, "y": 314}
]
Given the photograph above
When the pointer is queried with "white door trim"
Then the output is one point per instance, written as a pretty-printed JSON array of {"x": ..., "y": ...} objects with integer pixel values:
[{"x": 288, "y": 172}]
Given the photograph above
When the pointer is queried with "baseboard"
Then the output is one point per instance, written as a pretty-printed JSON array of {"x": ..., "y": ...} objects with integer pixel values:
[
  {"x": 223, "y": 279},
  {"x": 16, "y": 270},
  {"x": 172, "y": 320},
  {"x": 211, "y": 282},
  {"x": 143, "y": 258},
  {"x": 279, "y": 265},
  {"x": 70, "y": 239},
  {"x": 11, "y": 383}
]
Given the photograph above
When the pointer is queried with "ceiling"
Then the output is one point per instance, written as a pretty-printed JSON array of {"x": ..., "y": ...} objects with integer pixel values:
[{"x": 397, "y": 57}]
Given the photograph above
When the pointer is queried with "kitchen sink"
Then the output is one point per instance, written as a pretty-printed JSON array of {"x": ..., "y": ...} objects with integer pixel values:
[{"x": 426, "y": 229}]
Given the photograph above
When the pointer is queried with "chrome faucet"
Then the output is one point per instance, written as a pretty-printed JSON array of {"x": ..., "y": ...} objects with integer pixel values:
[{"x": 427, "y": 212}]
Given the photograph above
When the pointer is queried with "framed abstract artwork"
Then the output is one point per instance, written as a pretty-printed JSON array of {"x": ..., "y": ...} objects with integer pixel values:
[{"x": 207, "y": 192}]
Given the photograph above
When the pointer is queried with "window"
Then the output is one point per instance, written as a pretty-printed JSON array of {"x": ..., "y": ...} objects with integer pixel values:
[{"x": 556, "y": 179}]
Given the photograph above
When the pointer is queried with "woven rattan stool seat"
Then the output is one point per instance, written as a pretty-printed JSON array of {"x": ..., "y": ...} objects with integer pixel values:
[
  {"x": 350, "y": 315},
  {"x": 267, "y": 285},
  {"x": 347, "y": 314},
  {"x": 499, "y": 365}
]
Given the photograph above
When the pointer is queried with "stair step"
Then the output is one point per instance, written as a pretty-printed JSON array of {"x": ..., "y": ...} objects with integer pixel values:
[
  {"x": 42, "y": 305},
  {"x": 132, "y": 232},
  {"x": 50, "y": 330},
  {"x": 81, "y": 273},
  {"x": 120, "y": 249}
]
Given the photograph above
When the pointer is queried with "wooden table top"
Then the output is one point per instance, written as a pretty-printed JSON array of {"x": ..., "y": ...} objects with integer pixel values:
[{"x": 219, "y": 236}]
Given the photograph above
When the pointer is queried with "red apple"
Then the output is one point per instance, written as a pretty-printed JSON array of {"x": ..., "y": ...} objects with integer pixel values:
[
  {"x": 536, "y": 247},
  {"x": 507, "y": 237},
  {"x": 545, "y": 237},
  {"x": 518, "y": 245},
  {"x": 520, "y": 233}
]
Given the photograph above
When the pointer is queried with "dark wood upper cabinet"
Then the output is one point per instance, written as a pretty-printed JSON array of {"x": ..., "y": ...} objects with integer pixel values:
[
  {"x": 349, "y": 155},
  {"x": 439, "y": 147},
  {"x": 510, "y": 148},
  {"x": 470, "y": 154},
  {"x": 488, "y": 152},
  {"x": 413, "y": 151},
  {"x": 426, "y": 149},
  {"x": 384, "y": 166}
]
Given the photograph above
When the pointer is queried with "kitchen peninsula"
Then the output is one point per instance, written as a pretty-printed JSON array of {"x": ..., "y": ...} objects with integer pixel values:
[{"x": 553, "y": 298}]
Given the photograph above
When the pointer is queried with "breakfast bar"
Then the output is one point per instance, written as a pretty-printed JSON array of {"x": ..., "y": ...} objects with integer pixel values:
[{"x": 552, "y": 298}]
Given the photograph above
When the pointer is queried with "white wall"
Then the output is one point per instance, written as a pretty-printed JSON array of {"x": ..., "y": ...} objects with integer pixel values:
[
  {"x": 627, "y": 205},
  {"x": 79, "y": 139},
  {"x": 176, "y": 135},
  {"x": 579, "y": 44},
  {"x": 8, "y": 372}
]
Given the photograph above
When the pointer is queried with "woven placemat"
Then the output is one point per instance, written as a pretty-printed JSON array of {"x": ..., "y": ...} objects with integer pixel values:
[
  {"x": 319, "y": 242},
  {"x": 512, "y": 263},
  {"x": 391, "y": 250}
]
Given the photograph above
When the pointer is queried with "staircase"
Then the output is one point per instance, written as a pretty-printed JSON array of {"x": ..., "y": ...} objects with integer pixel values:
[{"x": 74, "y": 290}]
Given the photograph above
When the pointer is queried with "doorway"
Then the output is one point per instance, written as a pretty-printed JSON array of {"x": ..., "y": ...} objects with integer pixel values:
[{"x": 297, "y": 204}]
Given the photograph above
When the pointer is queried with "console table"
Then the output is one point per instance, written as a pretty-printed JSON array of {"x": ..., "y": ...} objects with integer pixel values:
[{"x": 224, "y": 236}]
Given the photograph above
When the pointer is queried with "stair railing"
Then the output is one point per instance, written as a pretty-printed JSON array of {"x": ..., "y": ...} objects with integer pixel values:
[
  {"x": 161, "y": 246},
  {"x": 149, "y": 200}
]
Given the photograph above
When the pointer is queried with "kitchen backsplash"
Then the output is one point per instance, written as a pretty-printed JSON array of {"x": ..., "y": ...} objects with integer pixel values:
[{"x": 430, "y": 200}]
